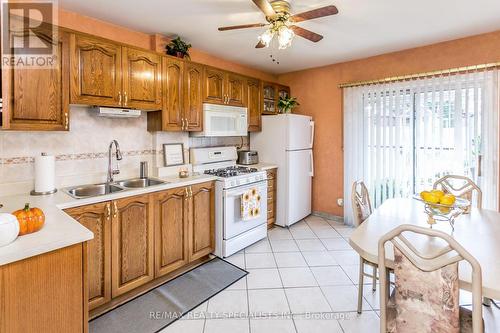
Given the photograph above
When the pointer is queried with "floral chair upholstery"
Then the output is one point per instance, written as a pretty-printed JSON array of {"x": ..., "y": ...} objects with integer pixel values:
[
  {"x": 460, "y": 186},
  {"x": 361, "y": 205},
  {"x": 426, "y": 294}
]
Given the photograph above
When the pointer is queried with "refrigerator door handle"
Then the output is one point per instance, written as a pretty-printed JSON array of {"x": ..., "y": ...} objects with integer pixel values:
[
  {"x": 312, "y": 133},
  {"x": 311, "y": 173}
]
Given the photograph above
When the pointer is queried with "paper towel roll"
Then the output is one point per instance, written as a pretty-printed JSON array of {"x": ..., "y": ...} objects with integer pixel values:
[{"x": 44, "y": 173}]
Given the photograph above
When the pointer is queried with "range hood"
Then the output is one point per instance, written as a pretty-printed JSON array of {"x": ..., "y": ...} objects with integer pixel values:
[{"x": 116, "y": 112}]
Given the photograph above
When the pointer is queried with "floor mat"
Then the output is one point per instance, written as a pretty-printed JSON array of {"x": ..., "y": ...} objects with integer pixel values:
[{"x": 163, "y": 305}]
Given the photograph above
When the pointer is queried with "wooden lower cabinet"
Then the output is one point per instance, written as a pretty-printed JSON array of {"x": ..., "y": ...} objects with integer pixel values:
[
  {"x": 141, "y": 238},
  {"x": 201, "y": 220},
  {"x": 132, "y": 244},
  {"x": 45, "y": 293},
  {"x": 271, "y": 197},
  {"x": 171, "y": 231},
  {"x": 97, "y": 218}
]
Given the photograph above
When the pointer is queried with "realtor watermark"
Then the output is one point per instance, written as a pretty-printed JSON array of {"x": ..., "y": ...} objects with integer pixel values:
[{"x": 29, "y": 35}]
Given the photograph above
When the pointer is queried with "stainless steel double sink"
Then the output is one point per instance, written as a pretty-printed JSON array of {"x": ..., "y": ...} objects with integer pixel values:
[{"x": 94, "y": 190}]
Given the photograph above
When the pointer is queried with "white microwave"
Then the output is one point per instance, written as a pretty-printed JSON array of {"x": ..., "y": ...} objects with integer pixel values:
[{"x": 223, "y": 120}]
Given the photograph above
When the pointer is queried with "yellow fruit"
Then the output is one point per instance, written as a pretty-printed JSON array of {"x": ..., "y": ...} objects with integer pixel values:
[
  {"x": 439, "y": 193},
  {"x": 424, "y": 194},
  {"x": 445, "y": 210},
  {"x": 447, "y": 199},
  {"x": 430, "y": 197}
]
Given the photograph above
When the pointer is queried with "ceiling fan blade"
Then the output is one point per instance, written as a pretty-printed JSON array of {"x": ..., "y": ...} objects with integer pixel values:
[
  {"x": 307, "y": 34},
  {"x": 260, "y": 45},
  {"x": 243, "y": 26},
  {"x": 265, "y": 6},
  {"x": 315, "y": 13}
]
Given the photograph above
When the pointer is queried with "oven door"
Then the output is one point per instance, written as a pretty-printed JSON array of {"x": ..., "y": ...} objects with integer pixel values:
[{"x": 233, "y": 223}]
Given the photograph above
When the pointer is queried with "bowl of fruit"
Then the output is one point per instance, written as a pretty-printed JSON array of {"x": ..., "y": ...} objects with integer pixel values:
[{"x": 442, "y": 206}]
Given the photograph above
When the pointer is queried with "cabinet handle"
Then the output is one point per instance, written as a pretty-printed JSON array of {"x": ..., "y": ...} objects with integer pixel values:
[
  {"x": 115, "y": 210},
  {"x": 66, "y": 120},
  {"x": 183, "y": 124},
  {"x": 126, "y": 98},
  {"x": 190, "y": 192},
  {"x": 187, "y": 125},
  {"x": 108, "y": 209},
  {"x": 120, "y": 97},
  {"x": 186, "y": 193}
]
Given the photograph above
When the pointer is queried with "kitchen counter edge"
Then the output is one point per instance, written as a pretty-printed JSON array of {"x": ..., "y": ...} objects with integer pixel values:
[{"x": 61, "y": 230}]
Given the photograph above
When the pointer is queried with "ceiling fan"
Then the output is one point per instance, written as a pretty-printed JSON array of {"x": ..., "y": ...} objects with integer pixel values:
[{"x": 282, "y": 23}]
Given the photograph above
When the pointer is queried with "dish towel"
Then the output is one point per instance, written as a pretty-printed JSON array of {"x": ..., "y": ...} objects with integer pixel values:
[{"x": 250, "y": 204}]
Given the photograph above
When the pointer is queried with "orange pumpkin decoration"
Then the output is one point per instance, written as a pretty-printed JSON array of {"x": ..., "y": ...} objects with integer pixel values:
[{"x": 30, "y": 219}]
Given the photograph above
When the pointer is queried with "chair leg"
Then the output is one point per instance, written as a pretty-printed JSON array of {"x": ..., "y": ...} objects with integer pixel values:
[
  {"x": 374, "y": 279},
  {"x": 360, "y": 286}
]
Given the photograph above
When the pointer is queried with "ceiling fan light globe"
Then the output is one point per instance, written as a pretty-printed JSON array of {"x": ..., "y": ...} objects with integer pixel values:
[
  {"x": 285, "y": 37},
  {"x": 266, "y": 37}
]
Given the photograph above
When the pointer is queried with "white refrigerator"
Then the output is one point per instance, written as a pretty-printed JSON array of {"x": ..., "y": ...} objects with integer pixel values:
[{"x": 287, "y": 141}]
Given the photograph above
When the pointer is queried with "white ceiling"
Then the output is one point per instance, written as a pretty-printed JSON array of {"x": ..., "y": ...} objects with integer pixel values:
[{"x": 362, "y": 28}]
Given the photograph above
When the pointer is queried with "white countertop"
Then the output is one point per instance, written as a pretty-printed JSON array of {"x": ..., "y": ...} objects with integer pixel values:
[
  {"x": 60, "y": 230},
  {"x": 261, "y": 166}
]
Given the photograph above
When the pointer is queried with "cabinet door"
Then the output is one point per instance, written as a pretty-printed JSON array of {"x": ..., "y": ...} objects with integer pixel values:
[
  {"x": 193, "y": 96},
  {"x": 97, "y": 218},
  {"x": 141, "y": 79},
  {"x": 269, "y": 98},
  {"x": 132, "y": 238},
  {"x": 214, "y": 90},
  {"x": 38, "y": 99},
  {"x": 173, "y": 71},
  {"x": 95, "y": 72},
  {"x": 236, "y": 90},
  {"x": 170, "y": 231},
  {"x": 201, "y": 221},
  {"x": 254, "y": 105}
]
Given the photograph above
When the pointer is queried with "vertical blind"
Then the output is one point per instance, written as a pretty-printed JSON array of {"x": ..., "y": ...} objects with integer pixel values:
[{"x": 401, "y": 137}]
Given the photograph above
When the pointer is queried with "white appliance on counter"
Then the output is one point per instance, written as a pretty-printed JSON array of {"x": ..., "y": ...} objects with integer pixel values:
[
  {"x": 287, "y": 141},
  {"x": 232, "y": 232},
  {"x": 223, "y": 120}
]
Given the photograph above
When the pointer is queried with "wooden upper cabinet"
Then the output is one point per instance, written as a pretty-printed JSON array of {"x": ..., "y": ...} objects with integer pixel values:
[
  {"x": 38, "y": 99},
  {"x": 171, "y": 243},
  {"x": 95, "y": 72},
  {"x": 236, "y": 94},
  {"x": 97, "y": 218},
  {"x": 254, "y": 89},
  {"x": 221, "y": 87},
  {"x": 132, "y": 236},
  {"x": 141, "y": 74},
  {"x": 193, "y": 96},
  {"x": 215, "y": 86},
  {"x": 173, "y": 98},
  {"x": 269, "y": 98},
  {"x": 201, "y": 221}
]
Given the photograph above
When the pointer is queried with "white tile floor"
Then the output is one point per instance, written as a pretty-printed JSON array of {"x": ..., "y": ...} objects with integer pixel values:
[{"x": 302, "y": 279}]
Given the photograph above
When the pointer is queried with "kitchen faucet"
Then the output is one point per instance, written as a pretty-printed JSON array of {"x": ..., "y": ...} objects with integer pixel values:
[{"x": 118, "y": 155}]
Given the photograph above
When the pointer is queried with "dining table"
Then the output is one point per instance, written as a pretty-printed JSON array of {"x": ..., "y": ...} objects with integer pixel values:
[{"x": 478, "y": 232}]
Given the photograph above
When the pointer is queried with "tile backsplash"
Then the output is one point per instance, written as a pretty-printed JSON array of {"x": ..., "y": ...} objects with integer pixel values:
[{"x": 81, "y": 153}]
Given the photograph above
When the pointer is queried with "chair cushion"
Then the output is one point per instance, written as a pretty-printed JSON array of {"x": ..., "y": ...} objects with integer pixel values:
[{"x": 425, "y": 301}]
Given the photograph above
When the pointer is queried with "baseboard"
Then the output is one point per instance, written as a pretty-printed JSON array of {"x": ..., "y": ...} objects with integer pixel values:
[{"x": 329, "y": 216}]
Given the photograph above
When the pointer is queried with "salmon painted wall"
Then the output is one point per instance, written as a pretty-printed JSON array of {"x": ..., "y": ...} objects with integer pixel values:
[
  {"x": 319, "y": 96},
  {"x": 154, "y": 42}
]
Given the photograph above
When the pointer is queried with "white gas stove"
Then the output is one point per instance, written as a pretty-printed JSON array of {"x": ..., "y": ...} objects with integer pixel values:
[{"x": 232, "y": 232}]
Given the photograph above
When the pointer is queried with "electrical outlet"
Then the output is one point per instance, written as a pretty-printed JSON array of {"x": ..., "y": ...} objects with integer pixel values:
[{"x": 340, "y": 202}]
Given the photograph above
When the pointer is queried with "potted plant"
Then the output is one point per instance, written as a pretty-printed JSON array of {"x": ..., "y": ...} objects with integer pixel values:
[
  {"x": 286, "y": 104},
  {"x": 178, "y": 48}
]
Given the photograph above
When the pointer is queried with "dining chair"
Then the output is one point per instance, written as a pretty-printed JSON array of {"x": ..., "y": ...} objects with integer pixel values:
[
  {"x": 462, "y": 187},
  {"x": 426, "y": 294},
  {"x": 362, "y": 209}
]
